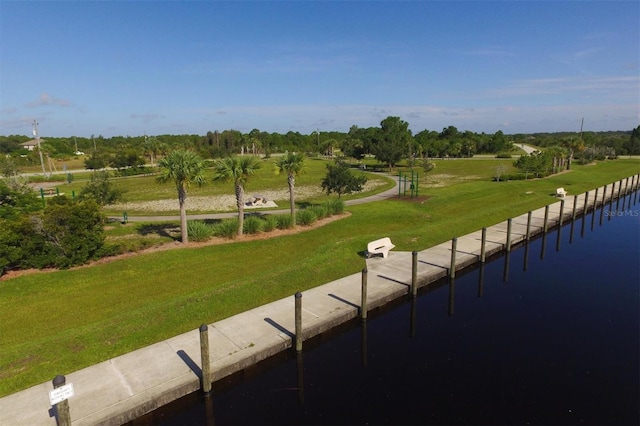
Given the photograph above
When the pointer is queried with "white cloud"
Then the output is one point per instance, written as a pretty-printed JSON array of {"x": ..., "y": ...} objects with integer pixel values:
[{"x": 46, "y": 99}]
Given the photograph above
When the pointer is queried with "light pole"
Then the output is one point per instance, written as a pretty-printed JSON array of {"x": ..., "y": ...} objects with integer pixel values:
[{"x": 37, "y": 136}]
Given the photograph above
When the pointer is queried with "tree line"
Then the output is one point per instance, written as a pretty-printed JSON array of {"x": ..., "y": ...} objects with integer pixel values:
[{"x": 390, "y": 143}]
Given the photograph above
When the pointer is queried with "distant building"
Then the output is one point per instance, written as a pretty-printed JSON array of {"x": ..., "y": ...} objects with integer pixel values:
[{"x": 31, "y": 145}]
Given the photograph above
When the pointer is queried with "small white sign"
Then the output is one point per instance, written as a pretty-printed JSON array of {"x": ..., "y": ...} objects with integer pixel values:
[{"x": 60, "y": 394}]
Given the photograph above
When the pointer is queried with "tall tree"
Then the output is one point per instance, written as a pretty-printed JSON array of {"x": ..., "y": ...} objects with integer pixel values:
[
  {"x": 633, "y": 145},
  {"x": 392, "y": 143},
  {"x": 183, "y": 167},
  {"x": 237, "y": 169},
  {"x": 292, "y": 164}
]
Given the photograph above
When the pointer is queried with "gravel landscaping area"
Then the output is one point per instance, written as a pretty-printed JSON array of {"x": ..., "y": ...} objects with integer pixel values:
[{"x": 224, "y": 203}]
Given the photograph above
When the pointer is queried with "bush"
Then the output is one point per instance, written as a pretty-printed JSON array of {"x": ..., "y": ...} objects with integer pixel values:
[
  {"x": 335, "y": 206},
  {"x": 270, "y": 223},
  {"x": 199, "y": 231},
  {"x": 503, "y": 155},
  {"x": 252, "y": 225},
  {"x": 320, "y": 211},
  {"x": 285, "y": 221},
  {"x": 305, "y": 217},
  {"x": 228, "y": 228}
]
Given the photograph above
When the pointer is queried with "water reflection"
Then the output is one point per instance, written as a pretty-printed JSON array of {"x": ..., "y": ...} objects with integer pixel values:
[{"x": 453, "y": 365}]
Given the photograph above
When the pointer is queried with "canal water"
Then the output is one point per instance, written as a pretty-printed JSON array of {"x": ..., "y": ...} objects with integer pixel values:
[{"x": 549, "y": 334}]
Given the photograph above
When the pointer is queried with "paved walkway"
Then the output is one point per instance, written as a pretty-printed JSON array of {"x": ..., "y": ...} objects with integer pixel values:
[
  {"x": 124, "y": 388},
  {"x": 229, "y": 215}
]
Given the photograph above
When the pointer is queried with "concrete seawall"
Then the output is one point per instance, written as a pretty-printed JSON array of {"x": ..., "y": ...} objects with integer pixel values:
[{"x": 126, "y": 387}]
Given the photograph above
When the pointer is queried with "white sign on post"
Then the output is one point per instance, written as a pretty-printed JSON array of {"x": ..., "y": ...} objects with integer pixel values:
[{"x": 60, "y": 394}]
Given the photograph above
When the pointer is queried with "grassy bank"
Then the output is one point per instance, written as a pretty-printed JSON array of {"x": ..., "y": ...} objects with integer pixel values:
[{"x": 58, "y": 322}]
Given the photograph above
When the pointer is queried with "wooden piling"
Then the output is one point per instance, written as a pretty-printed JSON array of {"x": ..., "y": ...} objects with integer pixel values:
[
  {"x": 483, "y": 252},
  {"x": 414, "y": 273},
  {"x": 604, "y": 201},
  {"x": 626, "y": 186},
  {"x": 561, "y": 213},
  {"x": 546, "y": 218},
  {"x": 452, "y": 269},
  {"x": 62, "y": 407},
  {"x": 205, "y": 360},
  {"x": 298, "y": 319},
  {"x": 585, "y": 209},
  {"x": 509, "y": 234},
  {"x": 529, "y": 225},
  {"x": 363, "y": 295},
  {"x": 575, "y": 204}
]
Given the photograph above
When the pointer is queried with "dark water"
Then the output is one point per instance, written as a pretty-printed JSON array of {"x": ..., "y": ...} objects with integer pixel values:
[{"x": 548, "y": 335}]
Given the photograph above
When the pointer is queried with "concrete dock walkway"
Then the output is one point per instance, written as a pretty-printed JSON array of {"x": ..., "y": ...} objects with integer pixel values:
[{"x": 124, "y": 388}]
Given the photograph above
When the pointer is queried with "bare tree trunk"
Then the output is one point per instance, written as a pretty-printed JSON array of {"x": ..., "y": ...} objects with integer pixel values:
[
  {"x": 292, "y": 184},
  {"x": 184, "y": 234},
  {"x": 240, "y": 204}
]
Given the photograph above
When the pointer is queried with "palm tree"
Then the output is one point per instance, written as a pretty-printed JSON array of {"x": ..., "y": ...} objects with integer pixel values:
[
  {"x": 292, "y": 164},
  {"x": 183, "y": 167},
  {"x": 238, "y": 169}
]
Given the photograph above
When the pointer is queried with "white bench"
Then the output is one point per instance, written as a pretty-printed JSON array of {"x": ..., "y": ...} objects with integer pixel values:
[
  {"x": 560, "y": 192},
  {"x": 381, "y": 246}
]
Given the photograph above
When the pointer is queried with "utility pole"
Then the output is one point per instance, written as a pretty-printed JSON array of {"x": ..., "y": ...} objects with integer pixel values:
[{"x": 37, "y": 136}]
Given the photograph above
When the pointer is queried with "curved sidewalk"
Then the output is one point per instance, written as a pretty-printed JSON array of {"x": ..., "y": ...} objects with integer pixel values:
[
  {"x": 375, "y": 197},
  {"x": 124, "y": 388}
]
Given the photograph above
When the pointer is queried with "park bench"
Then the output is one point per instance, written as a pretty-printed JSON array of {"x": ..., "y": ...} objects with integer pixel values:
[
  {"x": 381, "y": 246},
  {"x": 560, "y": 192}
]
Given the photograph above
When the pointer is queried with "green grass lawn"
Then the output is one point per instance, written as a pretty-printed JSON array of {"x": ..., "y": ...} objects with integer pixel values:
[{"x": 57, "y": 322}]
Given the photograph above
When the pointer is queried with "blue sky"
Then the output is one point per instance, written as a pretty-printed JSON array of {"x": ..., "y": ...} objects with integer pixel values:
[{"x": 156, "y": 67}]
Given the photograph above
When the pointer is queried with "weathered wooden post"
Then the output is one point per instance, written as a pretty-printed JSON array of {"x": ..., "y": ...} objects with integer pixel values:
[
  {"x": 452, "y": 269},
  {"x": 546, "y": 218},
  {"x": 205, "y": 360},
  {"x": 626, "y": 186},
  {"x": 561, "y": 213},
  {"x": 414, "y": 273},
  {"x": 585, "y": 209},
  {"x": 509, "y": 235},
  {"x": 298, "y": 298},
  {"x": 575, "y": 204},
  {"x": 483, "y": 252},
  {"x": 595, "y": 200},
  {"x": 635, "y": 196},
  {"x": 62, "y": 407},
  {"x": 611, "y": 198},
  {"x": 529, "y": 225},
  {"x": 613, "y": 190},
  {"x": 604, "y": 201},
  {"x": 363, "y": 295},
  {"x": 619, "y": 188}
]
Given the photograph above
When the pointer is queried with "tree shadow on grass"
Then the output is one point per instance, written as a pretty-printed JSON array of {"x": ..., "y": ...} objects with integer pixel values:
[{"x": 169, "y": 230}]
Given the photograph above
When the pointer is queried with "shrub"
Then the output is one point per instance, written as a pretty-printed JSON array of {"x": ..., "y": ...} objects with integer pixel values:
[
  {"x": 228, "y": 228},
  {"x": 199, "y": 231},
  {"x": 270, "y": 223},
  {"x": 305, "y": 217},
  {"x": 252, "y": 225},
  {"x": 335, "y": 206},
  {"x": 285, "y": 221},
  {"x": 321, "y": 211}
]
